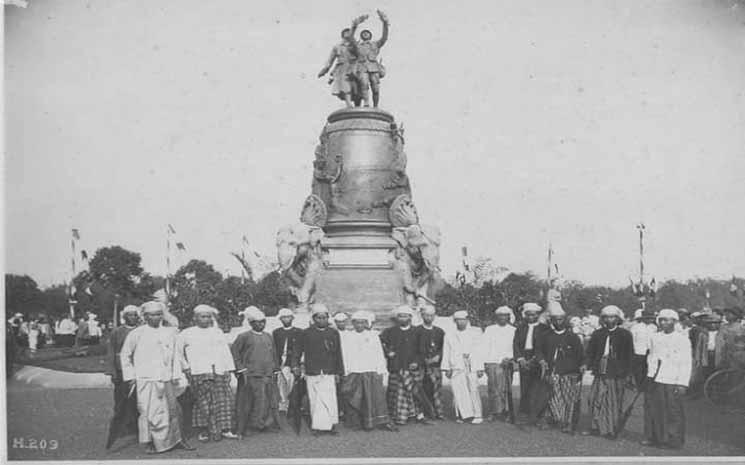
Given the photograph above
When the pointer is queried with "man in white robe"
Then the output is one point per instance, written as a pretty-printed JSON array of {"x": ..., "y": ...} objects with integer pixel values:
[
  {"x": 462, "y": 362},
  {"x": 151, "y": 365}
]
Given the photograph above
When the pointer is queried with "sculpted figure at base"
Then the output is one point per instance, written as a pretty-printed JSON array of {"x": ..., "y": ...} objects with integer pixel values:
[
  {"x": 343, "y": 59},
  {"x": 300, "y": 259},
  {"x": 417, "y": 258},
  {"x": 369, "y": 70}
]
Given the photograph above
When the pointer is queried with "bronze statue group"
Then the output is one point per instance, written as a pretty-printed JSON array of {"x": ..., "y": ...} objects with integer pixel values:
[{"x": 332, "y": 372}]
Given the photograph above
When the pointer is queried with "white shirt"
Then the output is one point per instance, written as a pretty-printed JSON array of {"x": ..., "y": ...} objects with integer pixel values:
[
  {"x": 459, "y": 343},
  {"x": 673, "y": 351},
  {"x": 94, "y": 329},
  {"x": 150, "y": 354},
  {"x": 529, "y": 336},
  {"x": 497, "y": 342},
  {"x": 201, "y": 348},
  {"x": 362, "y": 352},
  {"x": 66, "y": 326},
  {"x": 642, "y": 333},
  {"x": 711, "y": 343}
]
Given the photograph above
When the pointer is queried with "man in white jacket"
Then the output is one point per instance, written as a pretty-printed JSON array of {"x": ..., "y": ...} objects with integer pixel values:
[
  {"x": 669, "y": 363},
  {"x": 152, "y": 366},
  {"x": 463, "y": 363}
]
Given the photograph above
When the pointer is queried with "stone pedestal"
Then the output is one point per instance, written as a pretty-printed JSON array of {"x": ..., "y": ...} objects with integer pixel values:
[{"x": 361, "y": 200}]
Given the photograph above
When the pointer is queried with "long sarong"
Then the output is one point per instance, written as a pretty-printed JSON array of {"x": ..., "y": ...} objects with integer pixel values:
[
  {"x": 606, "y": 402},
  {"x": 324, "y": 410},
  {"x": 214, "y": 405},
  {"x": 564, "y": 401},
  {"x": 432, "y": 386},
  {"x": 160, "y": 414},
  {"x": 639, "y": 370},
  {"x": 254, "y": 402},
  {"x": 124, "y": 420},
  {"x": 664, "y": 416},
  {"x": 466, "y": 397},
  {"x": 285, "y": 380},
  {"x": 499, "y": 381},
  {"x": 400, "y": 395},
  {"x": 365, "y": 398},
  {"x": 529, "y": 377}
]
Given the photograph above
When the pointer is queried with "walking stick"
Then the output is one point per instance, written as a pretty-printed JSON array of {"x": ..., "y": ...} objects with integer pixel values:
[
  {"x": 627, "y": 413},
  {"x": 510, "y": 401}
]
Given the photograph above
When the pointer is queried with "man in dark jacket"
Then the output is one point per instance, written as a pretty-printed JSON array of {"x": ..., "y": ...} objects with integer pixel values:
[
  {"x": 526, "y": 334},
  {"x": 609, "y": 355},
  {"x": 286, "y": 339},
  {"x": 321, "y": 346},
  {"x": 559, "y": 353},
  {"x": 404, "y": 359}
]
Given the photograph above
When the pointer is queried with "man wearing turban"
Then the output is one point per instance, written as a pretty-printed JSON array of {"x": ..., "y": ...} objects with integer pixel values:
[
  {"x": 208, "y": 364},
  {"x": 286, "y": 339},
  {"x": 463, "y": 363},
  {"x": 609, "y": 355},
  {"x": 669, "y": 371},
  {"x": 527, "y": 333},
  {"x": 124, "y": 420},
  {"x": 431, "y": 340},
  {"x": 405, "y": 360},
  {"x": 320, "y": 347},
  {"x": 256, "y": 362},
  {"x": 151, "y": 364},
  {"x": 560, "y": 355},
  {"x": 498, "y": 362}
]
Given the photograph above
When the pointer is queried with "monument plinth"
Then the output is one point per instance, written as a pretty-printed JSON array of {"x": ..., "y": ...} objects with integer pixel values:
[{"x": 360, "y": 245}]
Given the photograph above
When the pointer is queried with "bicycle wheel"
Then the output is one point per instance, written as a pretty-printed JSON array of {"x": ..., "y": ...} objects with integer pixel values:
[{"x": 726, "y": 389}]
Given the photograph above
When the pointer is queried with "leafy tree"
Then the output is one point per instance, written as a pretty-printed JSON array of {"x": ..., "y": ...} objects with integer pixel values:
[
  {"x": 193, "y": 284},
  {"x": 56, "y": 302},
  {"x": 22, "y": 295},
  {"x": 271, "y": 294}
]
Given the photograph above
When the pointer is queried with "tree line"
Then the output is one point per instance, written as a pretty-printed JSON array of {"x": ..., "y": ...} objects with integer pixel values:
[{"x": 116, "y": 277}]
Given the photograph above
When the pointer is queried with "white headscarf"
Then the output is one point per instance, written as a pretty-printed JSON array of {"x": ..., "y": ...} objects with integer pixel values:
[{"x": 530, "y": 307}]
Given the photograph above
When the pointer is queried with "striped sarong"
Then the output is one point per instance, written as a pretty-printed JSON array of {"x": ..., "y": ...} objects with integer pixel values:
[
  {"x": 214, "y": 405},
  {"x": 400, "y": 395},
  {"x": 564, "y": 401},
  {"x": 606, "y": 403},
  {"x": 432, "y": 385},
  {"x": 499, "y": 381}
]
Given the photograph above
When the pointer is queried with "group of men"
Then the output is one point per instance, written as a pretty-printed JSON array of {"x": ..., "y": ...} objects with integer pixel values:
[{"x": 344, "y": 372}]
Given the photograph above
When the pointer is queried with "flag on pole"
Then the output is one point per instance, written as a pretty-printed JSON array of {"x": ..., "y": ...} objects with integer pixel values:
[
  {"x": 84, "y": 255},
  {"x": 733, "y": 288},
  {"x": 464, "y": 252},
  {"x": 88, "y": 290},
  {"x": 76, "y": 234},
  {"x": 170, "y": 228},
  {"x": 245, "y": 240},
  {"x": 180, "y": 246},
  {"x": 653, "y": 287}
]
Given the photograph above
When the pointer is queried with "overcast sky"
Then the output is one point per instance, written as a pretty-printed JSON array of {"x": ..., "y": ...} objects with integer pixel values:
[{"x": 525, "y": 122}]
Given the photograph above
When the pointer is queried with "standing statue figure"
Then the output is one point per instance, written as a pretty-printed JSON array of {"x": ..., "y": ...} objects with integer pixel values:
[
  {"x": 343, "y": 82},
  {"x": 300, "y": 259},
  {"x": 369, "y": 70}
]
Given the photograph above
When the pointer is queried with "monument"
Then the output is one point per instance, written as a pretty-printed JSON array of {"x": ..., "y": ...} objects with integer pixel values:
[{"x": 359, "y": 244}]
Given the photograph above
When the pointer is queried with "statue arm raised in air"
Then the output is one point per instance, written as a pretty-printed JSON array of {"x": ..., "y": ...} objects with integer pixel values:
[
  {"x": 386, "y": 23},
  {"x": 334, "y": 53}
]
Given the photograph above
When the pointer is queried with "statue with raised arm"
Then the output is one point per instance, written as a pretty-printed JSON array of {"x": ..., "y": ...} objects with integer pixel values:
[
  {"x": 369, "y": 70},
  {"x": 343, "y": 59}
]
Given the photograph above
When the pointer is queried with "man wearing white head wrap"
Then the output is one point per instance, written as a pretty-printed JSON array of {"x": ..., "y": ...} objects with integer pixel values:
[
  {"x": 256, "y": 363},
  {"x": 340, "y": 321},
  {"x": 609, "y": 355},
  {"x": 321, "y": 348},
  {"x": 669, "y": 363},
  {"x": 286, "y": 339},
  {"x": 364, "y": 366},
  {"x": 560, "y": 356},
  {"x": 405, "y": 373},
  {"x": 94, "y": 330},
  {"x": 208, "y": 364},
  {"x": 523, "y": 347},
  {"x": 124, "y": 420},
  {"x": 462, "y": 360},
  {"x": 498, "y": 361},
  {"x": 431, "y": 340},
  {"x": 150, "y": 361}
]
